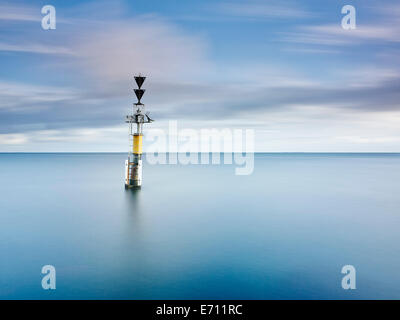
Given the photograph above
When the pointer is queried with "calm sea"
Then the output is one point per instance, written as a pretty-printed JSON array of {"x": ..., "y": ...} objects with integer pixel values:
[{"x": 200, "y": 231}]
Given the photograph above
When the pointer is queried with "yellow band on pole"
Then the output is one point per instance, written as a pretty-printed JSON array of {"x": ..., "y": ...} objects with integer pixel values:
[{"x": 137, "y": 144}]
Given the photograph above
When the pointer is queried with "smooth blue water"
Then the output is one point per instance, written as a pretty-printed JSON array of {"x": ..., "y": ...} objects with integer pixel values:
[{"x": 199, "y": 231}]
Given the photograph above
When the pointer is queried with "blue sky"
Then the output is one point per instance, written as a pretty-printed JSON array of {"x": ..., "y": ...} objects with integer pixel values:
[{"x": 286, "y": 69}]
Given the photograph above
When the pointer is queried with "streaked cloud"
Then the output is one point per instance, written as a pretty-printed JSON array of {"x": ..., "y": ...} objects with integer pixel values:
[
  {"x": 18, "y": 13},
  {"x": 336, "y": 35},
  {"x": 13, "y": 139},
  {"x": 35, "y": 48},
  {"x": 145, "y": 44},
  {"x": 384, "y": 28}
]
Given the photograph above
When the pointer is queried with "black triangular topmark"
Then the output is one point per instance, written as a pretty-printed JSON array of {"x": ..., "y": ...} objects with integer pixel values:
[{"x": 139, "y": 81}]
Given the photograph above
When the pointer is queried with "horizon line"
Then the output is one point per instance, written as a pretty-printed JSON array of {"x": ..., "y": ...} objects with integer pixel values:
[{"x": 257, "y": 152}]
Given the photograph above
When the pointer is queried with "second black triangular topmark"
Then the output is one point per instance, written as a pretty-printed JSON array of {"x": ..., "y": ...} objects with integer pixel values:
[{"x": 139, "y": 94}]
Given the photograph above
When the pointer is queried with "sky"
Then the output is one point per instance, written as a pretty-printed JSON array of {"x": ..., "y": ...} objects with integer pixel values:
[{"x": 286, "y": 69}]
